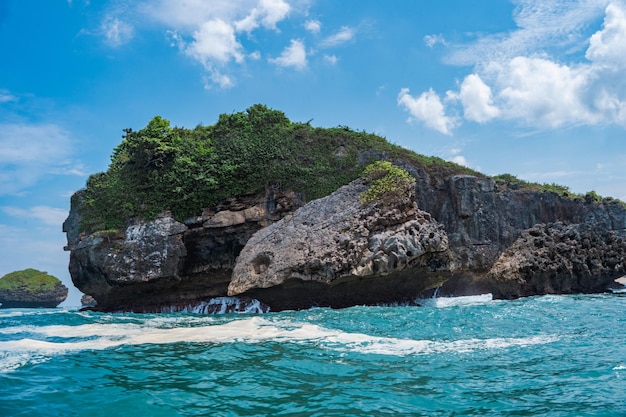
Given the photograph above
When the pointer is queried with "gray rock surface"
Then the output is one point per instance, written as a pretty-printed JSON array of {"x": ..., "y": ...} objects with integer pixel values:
[
  {"x": 336, "y": 240},
  {"x": 163, "y": 262},
  {"x": 339, "y": 254},
  {"x": 559, "y": 259}
]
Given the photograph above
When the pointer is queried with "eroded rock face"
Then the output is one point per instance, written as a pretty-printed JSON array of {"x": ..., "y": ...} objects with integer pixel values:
[
  {"x": 557, "y": 258},
  {"x": 165, "y": 263},
  {"x": 336, "y": 252}
]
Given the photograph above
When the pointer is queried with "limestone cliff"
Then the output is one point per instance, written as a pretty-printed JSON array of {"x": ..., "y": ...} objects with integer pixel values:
[
  {"x": 559, "y": 259},
  {"x": 337, "y": 252},
  {"x": 334, "y": 253},
  {"x": 163, "y": 262}
]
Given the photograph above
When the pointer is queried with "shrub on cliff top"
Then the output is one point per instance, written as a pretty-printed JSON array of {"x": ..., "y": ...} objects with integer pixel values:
[
  {"x": 185, "y": 170},
  {"x": 29, "y": 280},
  {"x": 387, "y": 182}
]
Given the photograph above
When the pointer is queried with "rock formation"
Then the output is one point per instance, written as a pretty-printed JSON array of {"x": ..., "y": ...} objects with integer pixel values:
[
  {"x": 559, "y": 259},
  {"x": 163, "y": 262},
  {"x": 31, "y": 289},
  {"x": 336, "y": 252}
]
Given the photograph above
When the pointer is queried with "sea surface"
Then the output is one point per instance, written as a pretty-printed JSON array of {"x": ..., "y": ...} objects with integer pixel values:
[{"x": 539, "y": 356}]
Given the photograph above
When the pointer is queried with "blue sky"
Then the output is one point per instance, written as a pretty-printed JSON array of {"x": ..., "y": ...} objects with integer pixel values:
[{"x": 535, "y": 88}]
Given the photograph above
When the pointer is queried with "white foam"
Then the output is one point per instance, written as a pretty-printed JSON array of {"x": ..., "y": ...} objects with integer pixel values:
[
  {"x": 442, "y": 302},
  {"x": 220, "y": 305},
  {"x": 250, "y": 330}
]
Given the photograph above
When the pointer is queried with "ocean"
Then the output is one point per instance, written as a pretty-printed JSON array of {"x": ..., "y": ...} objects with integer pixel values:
[{"x": 470, "y": 356}]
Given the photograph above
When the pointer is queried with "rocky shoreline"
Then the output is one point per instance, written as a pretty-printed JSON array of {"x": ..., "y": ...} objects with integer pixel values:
[{"x": 465, "y": 234}]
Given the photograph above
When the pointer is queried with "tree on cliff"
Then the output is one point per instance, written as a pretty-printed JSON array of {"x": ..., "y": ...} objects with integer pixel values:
[{"x": 185, "y": 170}]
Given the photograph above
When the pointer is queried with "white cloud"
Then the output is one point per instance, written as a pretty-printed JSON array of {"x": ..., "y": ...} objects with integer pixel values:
[
  {"x": 293, "y": 56},
  {"x": 215, "y": 77},
  {"x": 477, "y": 100},
  {"x": 534, "y": 75},
  {"x": 214, "y": 41},
  {"x": 608, "y": 46},
  {"x": 331, "y": 59},
  {"x": 432, "y": 40},
  {"x": 345, "y": 34},
  {"x": 273, "y": 11},
  {"x": 313, "y": 26},
  {"x": 28, "y": 152},
  {"x": 542, "y": 26},
  {"x": 267, "y": 14},
  {"x": 116, "y": 32},
  {"x": 428, "y": 109},
  {"x": 544, "y": 93},
  {"x": 50, "y": 216},
  {"x": 211, "y": 32}
]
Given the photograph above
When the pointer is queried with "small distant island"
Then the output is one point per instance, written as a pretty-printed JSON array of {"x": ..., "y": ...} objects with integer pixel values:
[{"x": 30, "y": 288}]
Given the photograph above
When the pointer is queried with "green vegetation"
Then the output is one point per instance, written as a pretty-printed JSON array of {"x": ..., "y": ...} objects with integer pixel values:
[
  {"x": 30, "y": 280},
  {"x": 185, "y": 170},
  {"x": 593, "y": 197},
  {"x": 515, "y": 183},
  {"x": 387, "y": 182}
]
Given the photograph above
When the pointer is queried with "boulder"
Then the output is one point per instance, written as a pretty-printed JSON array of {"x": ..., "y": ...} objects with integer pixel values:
[{"x": 338, "y": 252}]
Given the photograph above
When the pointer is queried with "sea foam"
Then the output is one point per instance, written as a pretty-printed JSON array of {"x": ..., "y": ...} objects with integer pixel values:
[{"x": 47, "y": 341}]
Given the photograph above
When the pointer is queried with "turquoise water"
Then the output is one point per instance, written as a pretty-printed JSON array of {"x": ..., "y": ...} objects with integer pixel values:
[{"x": 540, "y": 356}]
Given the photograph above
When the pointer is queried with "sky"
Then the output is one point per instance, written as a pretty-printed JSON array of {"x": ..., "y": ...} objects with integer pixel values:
[{"x": 533, "y": 88}]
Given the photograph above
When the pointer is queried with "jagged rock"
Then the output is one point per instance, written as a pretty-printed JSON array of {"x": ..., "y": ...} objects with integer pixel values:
[
  {"x": 87, "y": 301},
  {"x": 164, "y": 262},
  {"x": 558, "y": 258},
  {"x": 195, "y": 262},
  {"x": 336, "y": 252}
]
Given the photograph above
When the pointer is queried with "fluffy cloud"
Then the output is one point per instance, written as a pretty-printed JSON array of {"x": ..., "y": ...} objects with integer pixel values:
[
  {"x": 428, "y": 109},
  {"x": 544, "y": 93},
  {"x": 477, "y": 100},
  {"x": 608, "y": 46},
  {"x": 313, "y": 26},
  {"x": 267, "y": 14},
  {"x": 516, "y": 78},
  {"x": 214, "y": 41},
  {"x": 293, "y": 56},
  {"x": 211, "y": 32}
]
